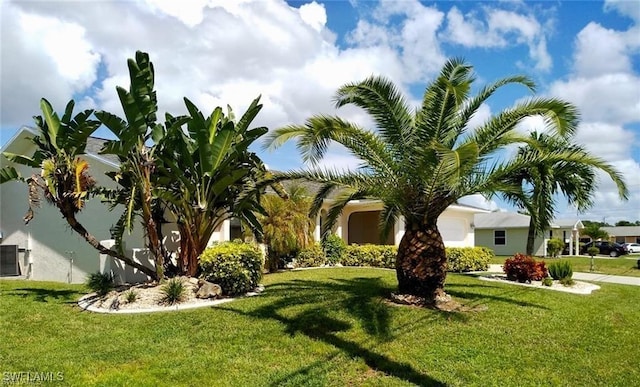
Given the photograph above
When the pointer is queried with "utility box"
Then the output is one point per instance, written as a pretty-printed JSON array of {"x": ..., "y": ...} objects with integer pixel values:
[{"x": 9, "y": 260}]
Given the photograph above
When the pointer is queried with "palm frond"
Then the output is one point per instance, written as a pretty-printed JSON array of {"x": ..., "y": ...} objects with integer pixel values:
[
  {"x": 380, "y": 98},
  {"x": 559, "y": 116}
]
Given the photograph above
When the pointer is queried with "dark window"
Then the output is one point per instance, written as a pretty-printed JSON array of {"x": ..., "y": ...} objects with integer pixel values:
[{"x": 499, "y": 237}]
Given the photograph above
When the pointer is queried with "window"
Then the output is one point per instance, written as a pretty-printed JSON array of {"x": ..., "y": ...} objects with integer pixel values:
[{"x": 499, "y": 237}]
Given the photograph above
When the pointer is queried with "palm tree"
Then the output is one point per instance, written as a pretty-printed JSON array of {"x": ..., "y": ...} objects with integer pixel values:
[
  {"x": 420, "y": 162},
  {"x": 286, "y": 225},
  {"x": 64, "y": 179},
  {"x": 543, "y": 181},
  {"x": 594, "y": 231}
]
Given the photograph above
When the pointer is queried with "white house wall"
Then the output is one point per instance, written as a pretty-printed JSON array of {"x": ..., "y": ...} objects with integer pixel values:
[
  {"x": 454, "y": 223},
  {"x": 53, "y": 244}
]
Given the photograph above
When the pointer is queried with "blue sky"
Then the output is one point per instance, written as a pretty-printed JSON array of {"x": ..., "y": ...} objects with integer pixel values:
[{"x": 296, "y": 54}]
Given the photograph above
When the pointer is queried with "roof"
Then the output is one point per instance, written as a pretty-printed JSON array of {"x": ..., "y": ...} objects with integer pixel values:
[
  {"x": 501, "y": 220},
  {"x": 622, "y": 230},
  {"x": 514, "y": 220},
  {"x": 93, "y": 148}
]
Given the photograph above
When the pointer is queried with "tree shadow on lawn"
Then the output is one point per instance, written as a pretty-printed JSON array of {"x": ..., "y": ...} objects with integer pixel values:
[
  {"x": 361, "y": 298},
  {"x": 45, "y": 295},
  {"x": 510, "y": 296}
]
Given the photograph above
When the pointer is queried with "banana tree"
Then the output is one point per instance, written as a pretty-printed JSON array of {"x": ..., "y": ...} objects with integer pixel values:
[
  {"x": 210, "y": 175},
  {"x": 64, "y": 178},
  {"x": 137, "y": 175}
]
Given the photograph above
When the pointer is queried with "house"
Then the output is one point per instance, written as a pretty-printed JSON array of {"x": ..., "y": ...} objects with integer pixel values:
[
  {"x": 47, "y": 249},
  {"x": 358, "y": 224},
  {"x": 506, "y": 233},
  {"x": 623, "y": 234}
]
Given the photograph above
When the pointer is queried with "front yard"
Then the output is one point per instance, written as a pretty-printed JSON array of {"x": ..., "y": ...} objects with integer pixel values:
[{"x": 330, "y": 327}]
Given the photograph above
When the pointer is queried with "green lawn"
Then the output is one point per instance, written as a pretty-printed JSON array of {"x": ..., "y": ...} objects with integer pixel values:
[
  {"x": 330, "y": 327},
  {"x": 625, "y": 265}
]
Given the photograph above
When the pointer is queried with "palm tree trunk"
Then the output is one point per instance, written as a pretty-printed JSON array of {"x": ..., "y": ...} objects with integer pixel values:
[
  {"x": 79, "y": 228},
  {"x": 531, "y": 237},
  {"x": 421, "y": 264}
]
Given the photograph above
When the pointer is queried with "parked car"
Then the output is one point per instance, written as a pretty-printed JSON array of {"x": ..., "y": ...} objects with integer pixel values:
[
  {"x": 611, "y": 249},
  {"x": 632, "y": 247}
]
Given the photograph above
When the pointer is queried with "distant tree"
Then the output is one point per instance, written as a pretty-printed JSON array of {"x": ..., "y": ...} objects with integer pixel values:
[
  {"x": 600, "y": 224},
  {"x": 594, "y": 231},
  {"x": 625, "y": 223},
  {"x": 543, "y": 180}
]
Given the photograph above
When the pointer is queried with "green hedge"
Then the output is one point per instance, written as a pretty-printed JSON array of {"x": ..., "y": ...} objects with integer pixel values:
[
  {"x": 370, "y": 255},
  {"x": 461, "y": 259},
  {"x": 235, "y": 266},
  {"x": 334, "y": 248},
  {"x": 312, "y": 256}
]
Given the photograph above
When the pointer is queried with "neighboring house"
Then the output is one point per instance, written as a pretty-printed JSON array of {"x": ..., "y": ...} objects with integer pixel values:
[
  {"x": 623, "y": 234},
  {"x": 47, "y": 249},
  {"x": 506, "y": 233}
]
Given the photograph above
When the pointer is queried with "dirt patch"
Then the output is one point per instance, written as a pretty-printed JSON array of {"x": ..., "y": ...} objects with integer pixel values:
[{"x": 445, "y": 304}]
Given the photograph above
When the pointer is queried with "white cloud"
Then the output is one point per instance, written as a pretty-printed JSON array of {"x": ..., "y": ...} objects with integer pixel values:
[
  {"x": 189, "y": 12},
  {"x": 498, "y": 28},
  {"x": 479, "y": 201},
  {"x": 600, "y": 51},
  {"x": 314, "y": 15},
  {"x": 41, "y": 57},
  {"x": 414, "y": 36},
  {"x": 625, "y": 7},
  {"x": 611, "y": 97}
]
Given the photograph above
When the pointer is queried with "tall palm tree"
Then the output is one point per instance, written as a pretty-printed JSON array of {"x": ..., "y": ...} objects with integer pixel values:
[
  {"x": 420, "y": 162},
  {"x": 541, "y": 182},
  {"x": 64, "y": 179}
]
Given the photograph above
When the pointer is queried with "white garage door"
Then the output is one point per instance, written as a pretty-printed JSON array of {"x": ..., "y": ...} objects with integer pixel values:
[{"x": 453, "y": 230}]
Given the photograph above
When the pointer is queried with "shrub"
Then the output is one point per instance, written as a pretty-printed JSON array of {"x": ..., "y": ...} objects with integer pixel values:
[
  {"x": 101, "y": 283},
  {"x": 523, "y": 268},
  {"x": 173, "y": 291},
  {"x": 547, "y": 281},
  {"x": 592, "y": 251},
  {"x": 555, "y": 246},
  {"x": 312, "y": 256},
  {"x": 370, "y": 255},
  {"x": 560, "y": 270},
  {"x": 460, "y": 259},
  {"x": 130, "y": 295},
  {"x": 334, "y": 248},
  {"x": 235, "y": 266},
  {"x": 568, "y": 281}
]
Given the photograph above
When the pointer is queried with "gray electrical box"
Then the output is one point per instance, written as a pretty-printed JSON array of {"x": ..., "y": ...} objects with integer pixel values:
[{"x": 9, "y": 260}]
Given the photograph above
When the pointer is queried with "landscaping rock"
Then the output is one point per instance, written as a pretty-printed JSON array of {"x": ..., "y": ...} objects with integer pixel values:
[{"x": 208, "y": 290}]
